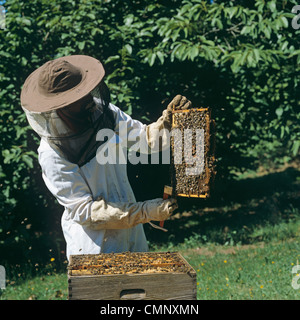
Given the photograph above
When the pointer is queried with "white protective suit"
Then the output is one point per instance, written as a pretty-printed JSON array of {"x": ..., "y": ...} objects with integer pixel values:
[{"x": 101, "y": 213}]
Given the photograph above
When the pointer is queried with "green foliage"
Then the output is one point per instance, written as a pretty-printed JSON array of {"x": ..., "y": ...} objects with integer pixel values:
[{"x": 240, "y": 58}]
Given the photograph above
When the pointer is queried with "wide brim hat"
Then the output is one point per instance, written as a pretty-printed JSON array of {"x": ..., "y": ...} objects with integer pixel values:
[{"x": 61, "y": 82}]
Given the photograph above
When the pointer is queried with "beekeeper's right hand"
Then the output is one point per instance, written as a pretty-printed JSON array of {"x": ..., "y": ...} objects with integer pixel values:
[{"x": 123, "y": 215}]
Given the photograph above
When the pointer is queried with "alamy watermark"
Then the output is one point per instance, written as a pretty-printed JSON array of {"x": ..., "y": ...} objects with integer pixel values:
[
  {"x": 295, "y": 20},
  {"x": 2, "y": 278},
  {"x": 296, "y": 277},
  {"x": 188, "y": 147},
  {"x": 2, "y": 17}
]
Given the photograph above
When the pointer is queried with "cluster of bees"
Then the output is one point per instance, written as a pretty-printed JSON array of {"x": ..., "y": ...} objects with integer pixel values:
[
  {"x": 197, "y": 184},
  {"x": 128, "y": 263}
]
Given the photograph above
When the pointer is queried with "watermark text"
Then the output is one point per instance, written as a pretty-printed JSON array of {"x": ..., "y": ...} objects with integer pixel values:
[
  {"x": 2, "y": 278},
  {"x": 296, "y": 277},
  {"x": 296, "y": 19},
  {"x": 188, "y": 147},
  {"x": 2, "y": 17}
]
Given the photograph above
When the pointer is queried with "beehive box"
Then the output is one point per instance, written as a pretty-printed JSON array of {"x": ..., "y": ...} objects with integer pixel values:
[
  {"x": 131, "y": 276},
  {"x": 195, "y": 185}
]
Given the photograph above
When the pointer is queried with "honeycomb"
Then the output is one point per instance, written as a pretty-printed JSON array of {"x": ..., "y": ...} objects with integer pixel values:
[
  {"x": 196, "y": 185},
  {"x": 128, "y": 263}
]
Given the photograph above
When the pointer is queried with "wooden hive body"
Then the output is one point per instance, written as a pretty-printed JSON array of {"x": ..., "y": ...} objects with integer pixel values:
[{"x": 131, "y": 276}]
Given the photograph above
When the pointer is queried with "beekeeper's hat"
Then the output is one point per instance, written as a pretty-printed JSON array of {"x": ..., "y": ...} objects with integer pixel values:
[{"x": 61, "y": 82}]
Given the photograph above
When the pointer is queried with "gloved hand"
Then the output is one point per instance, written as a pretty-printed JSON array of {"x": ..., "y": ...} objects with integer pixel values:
[
  {"x": 179, "y": 103},
  {"x": 165, "y": 121},
  {"x": 123, "y": 215},
  {"x": 160, "y": 210}
]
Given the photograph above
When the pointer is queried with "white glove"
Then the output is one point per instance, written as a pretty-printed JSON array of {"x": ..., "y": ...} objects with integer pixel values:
[
  {"x": 165, "y": 121},
  {"x": 159, "y": 210},
  {"x": 123, "y": 215}
]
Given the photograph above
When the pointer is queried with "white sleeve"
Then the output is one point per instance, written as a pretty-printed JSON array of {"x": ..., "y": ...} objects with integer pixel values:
[
  {"x": 65, "y": 182},
  {"x": 155, "y": 136},
  {"x": 127, "y": 128}
]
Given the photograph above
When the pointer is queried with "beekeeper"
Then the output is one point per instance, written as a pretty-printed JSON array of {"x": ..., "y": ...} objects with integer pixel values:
[{"x": 67, "y": 102}]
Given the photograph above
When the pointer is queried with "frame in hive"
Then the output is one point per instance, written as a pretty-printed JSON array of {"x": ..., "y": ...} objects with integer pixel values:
[{"x": 123, "y": 276}]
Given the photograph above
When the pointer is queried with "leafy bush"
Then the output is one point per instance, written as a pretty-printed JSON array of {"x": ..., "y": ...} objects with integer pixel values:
[{"x": 240, "y": 59}]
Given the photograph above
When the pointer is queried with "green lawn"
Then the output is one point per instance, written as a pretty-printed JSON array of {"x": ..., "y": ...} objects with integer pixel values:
[
  {"x": 258, "y": 272},
  {"x": 47, "y": 287},
  {"x": 261, "y": 271}
]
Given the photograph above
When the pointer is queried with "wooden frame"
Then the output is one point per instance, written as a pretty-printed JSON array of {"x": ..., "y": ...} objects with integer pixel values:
[{"x": 207, "y": 137}]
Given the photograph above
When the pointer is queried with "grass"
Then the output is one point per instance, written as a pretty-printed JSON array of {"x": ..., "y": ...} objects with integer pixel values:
[
  {"x": 254, "y": 272},
  {"x": 46, "y": 287},
  {"x": 242, "y": 244}
]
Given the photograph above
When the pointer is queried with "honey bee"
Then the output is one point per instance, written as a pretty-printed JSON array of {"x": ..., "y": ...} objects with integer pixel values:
[
  {"x": 181, "y": 182},
  {"x": 128, "y": 263}
]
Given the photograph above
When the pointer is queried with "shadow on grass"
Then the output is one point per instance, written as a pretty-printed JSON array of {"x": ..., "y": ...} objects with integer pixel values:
[{"x": 234, "y": 210}]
